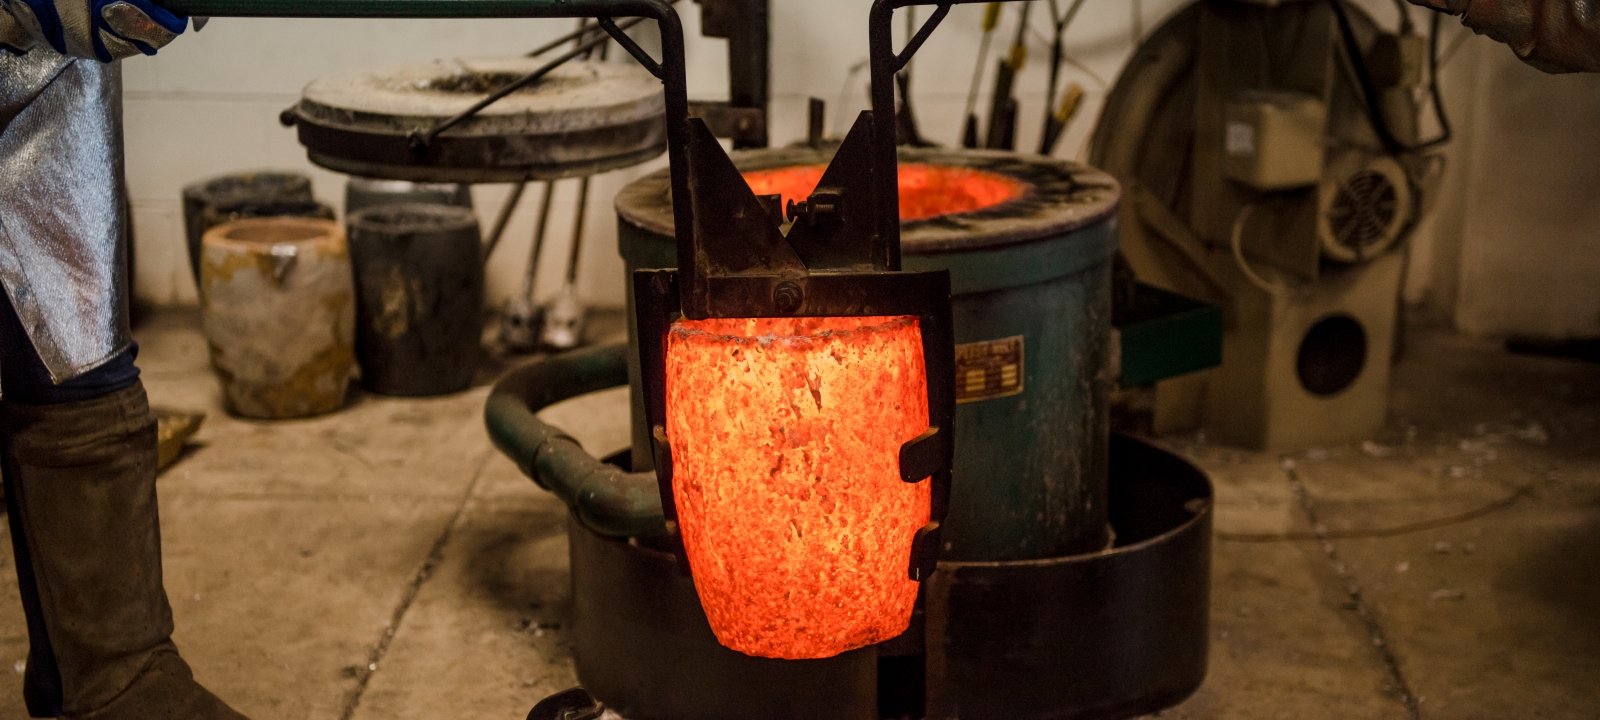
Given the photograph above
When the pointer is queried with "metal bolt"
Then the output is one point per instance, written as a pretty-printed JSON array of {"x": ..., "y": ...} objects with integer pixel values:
[
  {"x": 786, "y": 298},
  {"x": 821, "y": 204}
]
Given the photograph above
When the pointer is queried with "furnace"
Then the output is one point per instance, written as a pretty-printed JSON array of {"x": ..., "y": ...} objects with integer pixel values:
[{"x": 1067, "y": 552}]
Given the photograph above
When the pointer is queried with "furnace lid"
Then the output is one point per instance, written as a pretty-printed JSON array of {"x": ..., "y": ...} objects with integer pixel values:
[{"x": 582, "y": 118}]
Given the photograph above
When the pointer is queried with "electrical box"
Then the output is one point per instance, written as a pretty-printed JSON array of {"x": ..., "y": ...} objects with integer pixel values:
[
  {"x": 1274, "y": 140},
  {"x": 1396, "y": 61}
]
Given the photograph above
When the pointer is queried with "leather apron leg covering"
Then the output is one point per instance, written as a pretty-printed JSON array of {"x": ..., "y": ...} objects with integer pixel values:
[
  {"x": 80, "y": 479},
  {"x": 61, "y": 221}
]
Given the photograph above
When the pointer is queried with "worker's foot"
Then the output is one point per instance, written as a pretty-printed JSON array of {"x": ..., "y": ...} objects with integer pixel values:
[
  {"x": 166, "y": 690},
  {"x": 81, "y": 492}
]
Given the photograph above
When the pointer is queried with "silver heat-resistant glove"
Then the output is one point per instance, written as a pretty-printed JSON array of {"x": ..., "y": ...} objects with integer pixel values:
[
  {"x": 1454, "y": 7},
  {"x": 104, "y": 30},
  {"x": 1552, "y": 35}
]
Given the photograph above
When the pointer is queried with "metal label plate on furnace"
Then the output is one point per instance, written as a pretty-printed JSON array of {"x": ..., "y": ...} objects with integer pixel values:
[{"x": 989, "y": 369}]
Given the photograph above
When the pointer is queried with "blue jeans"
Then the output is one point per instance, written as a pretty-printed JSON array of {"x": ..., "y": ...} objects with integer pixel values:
[{"x": 24, "y": 379}]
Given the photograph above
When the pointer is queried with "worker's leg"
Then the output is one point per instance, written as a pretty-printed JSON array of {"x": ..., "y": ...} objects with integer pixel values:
[{"x": 79, "y": 466}]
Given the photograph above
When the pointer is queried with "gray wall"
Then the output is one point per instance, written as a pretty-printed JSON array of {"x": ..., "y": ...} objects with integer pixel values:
[{"x": 1509, "y": 249}]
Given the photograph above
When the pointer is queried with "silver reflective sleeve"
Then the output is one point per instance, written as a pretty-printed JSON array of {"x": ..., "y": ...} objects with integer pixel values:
[{"x": 61, "y": 213}]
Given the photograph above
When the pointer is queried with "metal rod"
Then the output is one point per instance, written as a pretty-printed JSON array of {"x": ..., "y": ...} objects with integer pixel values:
[
  {"x": 1058, "y": 50},
  {"x": 915, "y": 43},
  {"x": 1053, "y": 122},
  {"x": 885, "y": 177},
  {"x": 504, "y": 219},
  {"x": 583, "y": 184},
  {"x": 539, "y": 228},
  {"x": 579, "y": 35},
  {"x": 991, "y": 19},
  {"x": 577, "y": 232},
  {"x": 632, "y": 47},
  {"x": 425, "y": 138}
]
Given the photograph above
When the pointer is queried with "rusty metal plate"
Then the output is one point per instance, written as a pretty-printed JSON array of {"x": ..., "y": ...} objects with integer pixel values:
[{"x": 582, "y": 118}]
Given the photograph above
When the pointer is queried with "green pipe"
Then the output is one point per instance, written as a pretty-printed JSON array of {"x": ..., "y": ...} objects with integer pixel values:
[{"x": 604, "y": 498}]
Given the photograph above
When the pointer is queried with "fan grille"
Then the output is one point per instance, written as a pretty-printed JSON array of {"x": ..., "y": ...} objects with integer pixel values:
[{"x": 1364, "y": 212}]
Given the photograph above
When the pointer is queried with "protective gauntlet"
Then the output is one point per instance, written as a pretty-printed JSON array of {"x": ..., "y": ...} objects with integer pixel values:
[
  {"x": 104, "y": 30},
  {"x": 1552, "y": 35}
]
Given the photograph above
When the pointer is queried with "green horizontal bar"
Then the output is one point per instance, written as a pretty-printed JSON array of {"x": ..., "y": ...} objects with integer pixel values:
[
  {"x": 1166, "y": 335},
  {"x": 412, "y": 8}
]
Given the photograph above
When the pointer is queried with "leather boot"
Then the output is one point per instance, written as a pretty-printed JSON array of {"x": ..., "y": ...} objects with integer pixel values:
[{"x": 80, "y": 490}]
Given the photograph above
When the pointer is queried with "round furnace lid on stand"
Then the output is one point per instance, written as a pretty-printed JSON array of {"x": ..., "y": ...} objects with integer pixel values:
[{"x": 580, "y": 119}]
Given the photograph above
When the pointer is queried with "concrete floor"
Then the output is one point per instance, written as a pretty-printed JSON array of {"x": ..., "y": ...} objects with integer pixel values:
[{"x": 385, "y": 562}]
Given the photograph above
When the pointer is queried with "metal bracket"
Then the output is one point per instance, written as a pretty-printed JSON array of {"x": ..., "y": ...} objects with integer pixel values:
[
  {"x": 840, "y": 259},
  {"x": 746, "y": 24}
]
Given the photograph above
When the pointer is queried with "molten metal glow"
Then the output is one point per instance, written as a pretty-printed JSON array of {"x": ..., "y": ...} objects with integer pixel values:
[
  {"x": 785, "y": 440},
  {"x": 925, "y": 190}
]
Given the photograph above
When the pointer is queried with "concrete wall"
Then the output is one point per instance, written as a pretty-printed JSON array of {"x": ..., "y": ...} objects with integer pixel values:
[
  {"x": 1504, "y": 251},
  {"x": 208, "y": 104},
  {"x": 1524, "y": 234}
]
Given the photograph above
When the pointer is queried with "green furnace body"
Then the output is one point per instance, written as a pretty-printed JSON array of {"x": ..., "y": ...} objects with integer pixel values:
[{"x": 1031, "y": 286}]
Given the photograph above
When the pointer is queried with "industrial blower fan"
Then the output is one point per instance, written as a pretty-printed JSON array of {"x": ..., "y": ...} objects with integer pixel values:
[{"x": 1272, "y": 165}]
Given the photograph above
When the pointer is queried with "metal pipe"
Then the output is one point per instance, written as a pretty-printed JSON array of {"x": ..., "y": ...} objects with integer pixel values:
[{"x": 605, "y": 498}]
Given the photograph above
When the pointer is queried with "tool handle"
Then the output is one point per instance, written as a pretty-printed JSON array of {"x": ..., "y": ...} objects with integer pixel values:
[
  {"x": 1057, "y": 123},
  {"x": 991, "y": 16}
]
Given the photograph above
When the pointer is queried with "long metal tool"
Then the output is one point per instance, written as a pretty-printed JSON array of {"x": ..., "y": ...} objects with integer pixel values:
[
  {"x": 564, "y": 319},
  {"x": 503, "y": 220},
  {"x": 522, "y": 319},
  {"x": 969, "y": 128},
  {"x": 1055, "y": 118},
  {"x": 1002, "y": 133}
]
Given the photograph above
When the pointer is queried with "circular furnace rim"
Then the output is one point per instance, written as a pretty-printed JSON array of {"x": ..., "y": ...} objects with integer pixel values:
[{"x": 1062, "y": 197}]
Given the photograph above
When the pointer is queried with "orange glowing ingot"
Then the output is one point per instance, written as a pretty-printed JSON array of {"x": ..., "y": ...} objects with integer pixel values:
[{"x": 786, "y": 435}]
